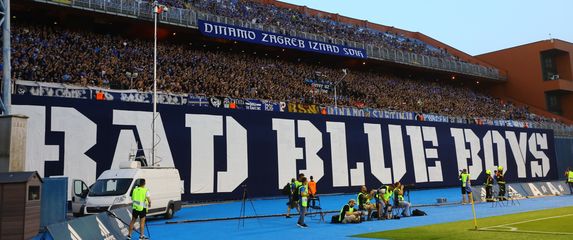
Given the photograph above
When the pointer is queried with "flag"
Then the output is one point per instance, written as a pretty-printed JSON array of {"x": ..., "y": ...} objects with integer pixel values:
[{"x": 160, "y": 9}]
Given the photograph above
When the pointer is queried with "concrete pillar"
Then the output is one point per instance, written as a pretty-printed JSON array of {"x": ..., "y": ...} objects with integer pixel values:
[{"x": 13, "y": 130}]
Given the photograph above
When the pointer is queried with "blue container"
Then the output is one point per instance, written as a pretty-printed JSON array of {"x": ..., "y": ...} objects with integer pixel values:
[{"x": 54, "y": 200}]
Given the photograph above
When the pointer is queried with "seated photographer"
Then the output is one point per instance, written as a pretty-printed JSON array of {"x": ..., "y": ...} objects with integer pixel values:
[
  {"x": 399, "y": 199},
  {"x": 364, "y": 203},
  {"x": 383, "y": 205},
  {"x": 348, "y": 214}
]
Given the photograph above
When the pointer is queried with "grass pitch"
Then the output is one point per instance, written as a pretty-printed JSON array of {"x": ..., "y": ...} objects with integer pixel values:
[{"x": 544, "y": 224}]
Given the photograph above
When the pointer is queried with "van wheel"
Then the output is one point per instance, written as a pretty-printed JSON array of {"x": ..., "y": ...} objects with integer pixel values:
[{"x": 170, "y": 212}]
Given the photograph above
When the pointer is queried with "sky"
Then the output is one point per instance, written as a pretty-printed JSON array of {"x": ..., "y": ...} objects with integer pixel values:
[{"x": 475, "y": 27}]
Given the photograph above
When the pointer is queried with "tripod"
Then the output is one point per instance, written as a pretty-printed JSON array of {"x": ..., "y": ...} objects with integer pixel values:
[{"x": 242, "y": 214}]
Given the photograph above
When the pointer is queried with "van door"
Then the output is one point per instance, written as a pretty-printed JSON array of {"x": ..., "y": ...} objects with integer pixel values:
[{"x": 79, "y": 193}]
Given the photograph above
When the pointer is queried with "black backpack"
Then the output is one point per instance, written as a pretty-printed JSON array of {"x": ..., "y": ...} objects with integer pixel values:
[
  {"x": 286, "y": 189},
  {"x": 418, "y": 212}
]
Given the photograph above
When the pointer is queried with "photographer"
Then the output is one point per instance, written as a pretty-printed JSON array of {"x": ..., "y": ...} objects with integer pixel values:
[
  {"x": 348, "y": 214},
  {"x": 364, "y": 203},
  {"x": 383, "y": 196},
  {"x": 400, "y": 202}
]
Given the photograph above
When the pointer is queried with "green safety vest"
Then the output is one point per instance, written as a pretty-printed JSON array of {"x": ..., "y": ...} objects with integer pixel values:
[
  {"x": 139, "y": 198},
  {"x": 358, "y": 198},
  {"x": 570, "y": 176},
  {"x": 465, "y": 178},
  {"x": 304, "y": 195},
  {"x": 350, "y": 209},
  {"x": 388, "y": 194},
  {"x": 297, "y": 184},
  {"x": 400, "y": 196}
]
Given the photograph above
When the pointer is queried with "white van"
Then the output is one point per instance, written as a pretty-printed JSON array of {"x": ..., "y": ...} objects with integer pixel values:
[{"x": 113, "y": 189}]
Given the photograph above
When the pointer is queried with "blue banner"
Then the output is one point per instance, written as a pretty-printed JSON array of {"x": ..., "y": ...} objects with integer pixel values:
[
  {"x": 220, "y": 30},
  {"x": 217, "y": 149}
]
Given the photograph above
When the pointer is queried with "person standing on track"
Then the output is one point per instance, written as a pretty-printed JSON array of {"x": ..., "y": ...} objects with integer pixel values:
[
  {"x": 303, "y": 192},
  {"x": 465, "y": 180},
  {"x": 141, "y": 202},
  {"x": 488, "y": 186},
  {"x": 501, "y": 183},
  {"x": 569, "y": 176}
]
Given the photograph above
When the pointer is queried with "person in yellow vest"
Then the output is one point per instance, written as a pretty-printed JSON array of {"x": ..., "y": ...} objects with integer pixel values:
[
  {"x": 569, "y": 176},
  {"x": 465, "y": 180},
  {"x": 400, "y": 201},
  {"x": 141, "y": 202},
  {"x": 348, "y": 214},
  {"x": 364, "y": 203},
  {"x": 383, "y": 204},
  {"x": 488, "y": 186},
  {"x": 303, "y": 193}
]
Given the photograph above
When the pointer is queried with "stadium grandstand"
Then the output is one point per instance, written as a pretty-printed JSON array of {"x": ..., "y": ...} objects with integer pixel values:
[{"x": 252, "y": 94}]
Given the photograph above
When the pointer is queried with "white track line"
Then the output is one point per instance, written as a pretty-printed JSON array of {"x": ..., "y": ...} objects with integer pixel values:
[{"x": 514, "y": 229}]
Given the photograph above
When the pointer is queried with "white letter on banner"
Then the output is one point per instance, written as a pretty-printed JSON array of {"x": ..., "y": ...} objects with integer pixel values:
[
  {"x": 421, "y": 154},
  {"x": 534, "y": 190},
  {"x": 489, "y": 139},
  {"x": 142, "y": 122},
  {"x": 203, "y": 130},
  {"x": 339, "y": 157},
  {"x": 461, "y": 136},
  {"x": 539, "y": 170},
  {"x": 208, "y": 27},
  {"x": 376, "y": 151},
  {"x": 397, "y": 149},
  {"x": 80, "y": 135},
  {"x": 237, "y": 157},
  {"x": 287, "y": 152},
  {"x": 519, "y": 150},
  {"x": 37, "y": 153},
  {"x": 313, "y": 143},
  {"x": 434, "y": 172}
]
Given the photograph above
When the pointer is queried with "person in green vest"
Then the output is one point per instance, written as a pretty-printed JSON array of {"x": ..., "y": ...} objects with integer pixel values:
[
  {"x": 364, "y": 203},
  {"x": 488, "y": 186},
  {"x": 303, "y": 193},
  {"x": 569, "y": 176},
  {"x": 383, "y": 205},
  {"x": 141, "y": 202},
  {"x": 501, "y": 183},
  {"x": 465, "y": 181},
  {"x": 348, "y": 214},
  {"x": 400, "y": 201}
]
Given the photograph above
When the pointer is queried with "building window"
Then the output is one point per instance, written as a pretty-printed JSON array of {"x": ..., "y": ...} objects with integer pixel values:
[{"x": 33, "y": 193}]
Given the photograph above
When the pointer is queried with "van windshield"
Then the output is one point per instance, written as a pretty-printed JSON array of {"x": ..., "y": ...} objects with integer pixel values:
[{"x": 110, "y": 187}]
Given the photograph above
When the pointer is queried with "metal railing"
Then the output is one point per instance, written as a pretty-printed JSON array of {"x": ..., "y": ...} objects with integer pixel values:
[{"x": 188, "y": 17}]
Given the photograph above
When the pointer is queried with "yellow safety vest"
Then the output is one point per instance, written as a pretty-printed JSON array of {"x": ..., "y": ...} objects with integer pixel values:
[
  {"x": 465, "y": 177},
  {"x": 304, "y": 195},
  {"x": 350, "y": 209},
  {"x": 570, "y": 176},
  {"x": 139, "y": 198}
]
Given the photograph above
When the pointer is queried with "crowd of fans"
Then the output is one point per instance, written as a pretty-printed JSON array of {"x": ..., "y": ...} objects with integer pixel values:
[
  {"x": 292, "y": 19},
  {"x": 52, "y": 53}
]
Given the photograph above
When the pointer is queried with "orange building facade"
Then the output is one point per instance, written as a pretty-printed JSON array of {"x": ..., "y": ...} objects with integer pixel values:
[{"x": 539, "y": 74}]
